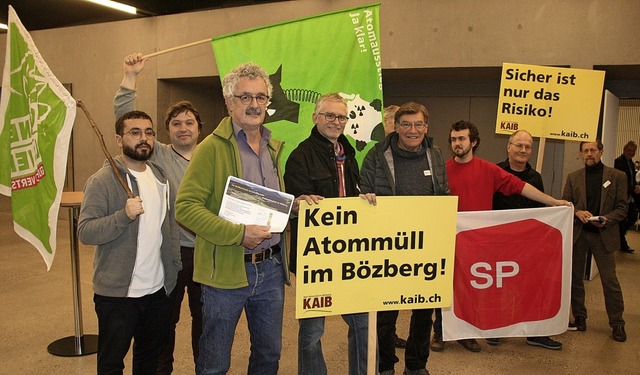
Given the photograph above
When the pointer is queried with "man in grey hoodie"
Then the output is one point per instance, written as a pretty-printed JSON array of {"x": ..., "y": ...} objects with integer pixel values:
[
  {"x": 183, "y": 125},
  {"x": 405, "y": 163},
  {"x": 137, "y": 255}
]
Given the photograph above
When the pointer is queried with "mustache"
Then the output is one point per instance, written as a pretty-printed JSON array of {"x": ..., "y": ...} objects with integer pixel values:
[
  {"x": 253, "y": 111},
  {"x": 143, "y": 143}
]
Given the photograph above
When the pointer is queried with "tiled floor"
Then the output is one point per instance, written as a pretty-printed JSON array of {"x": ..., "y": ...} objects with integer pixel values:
[{"x": 37, "y": 309}]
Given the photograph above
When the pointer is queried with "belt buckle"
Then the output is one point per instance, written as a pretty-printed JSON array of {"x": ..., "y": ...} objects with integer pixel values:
[
  {"x": 258, "y": 257},
  {"x": 262, "y": 256}
]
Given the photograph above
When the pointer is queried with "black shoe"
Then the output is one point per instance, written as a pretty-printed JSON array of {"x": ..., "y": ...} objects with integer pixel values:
[
  {"x": 545, "y": 342},
  {"x": 400, "y": 343},
  {"x": 579, "y": 324},
  {"x": 628, "y": 250},
  {"x": 493, "y": 341},
  {"x": 619, "y": 334}
]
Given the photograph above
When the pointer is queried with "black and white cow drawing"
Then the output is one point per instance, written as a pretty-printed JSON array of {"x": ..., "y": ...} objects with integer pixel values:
[{"x": 365, "y": 120}]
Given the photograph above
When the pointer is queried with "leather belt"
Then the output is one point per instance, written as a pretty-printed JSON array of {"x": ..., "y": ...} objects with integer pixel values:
[{"x": 259, "y": 257}]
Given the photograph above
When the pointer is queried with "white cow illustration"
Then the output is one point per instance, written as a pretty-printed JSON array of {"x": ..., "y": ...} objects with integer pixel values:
[{"x": 363, "y": 118}]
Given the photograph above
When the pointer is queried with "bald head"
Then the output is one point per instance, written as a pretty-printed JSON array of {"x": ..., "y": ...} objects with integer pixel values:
[{"x": 519, "y": 149}]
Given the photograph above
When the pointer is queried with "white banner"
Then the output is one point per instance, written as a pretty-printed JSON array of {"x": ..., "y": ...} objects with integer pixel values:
[{"x": 512, "y": 274}]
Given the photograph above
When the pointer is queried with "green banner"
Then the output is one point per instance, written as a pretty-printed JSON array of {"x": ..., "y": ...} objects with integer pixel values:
[
  {"x": 309, "y": 57},
  {"x": 37, "y": 115}
]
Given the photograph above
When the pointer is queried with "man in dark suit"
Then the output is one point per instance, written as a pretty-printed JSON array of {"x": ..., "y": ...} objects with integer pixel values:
[
  {"x": 624, "y": 163},
  {"x": 599, "y": 196}
]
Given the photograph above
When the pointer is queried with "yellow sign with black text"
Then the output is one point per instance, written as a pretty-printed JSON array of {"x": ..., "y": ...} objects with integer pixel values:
[
  {"x": 550, "y": 102},
  {"x": 355, "y": 257}
]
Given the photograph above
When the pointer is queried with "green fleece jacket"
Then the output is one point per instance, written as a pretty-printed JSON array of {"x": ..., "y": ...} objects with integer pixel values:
[{"x": 219, "y": 254}]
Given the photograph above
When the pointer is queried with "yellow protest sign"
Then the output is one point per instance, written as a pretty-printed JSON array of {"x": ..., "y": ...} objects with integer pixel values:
[
  {"x": 550, "y": 102},
  {"x": 355, "y": 257}
]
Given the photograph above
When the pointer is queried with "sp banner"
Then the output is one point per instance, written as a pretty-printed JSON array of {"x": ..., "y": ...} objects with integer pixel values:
[{"x": 512, "y": 274}]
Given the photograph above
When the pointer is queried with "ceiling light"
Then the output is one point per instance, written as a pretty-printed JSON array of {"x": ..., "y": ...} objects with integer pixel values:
[
  {"x": 115, "y": 5},
  {"x": 3, "y": 26}
]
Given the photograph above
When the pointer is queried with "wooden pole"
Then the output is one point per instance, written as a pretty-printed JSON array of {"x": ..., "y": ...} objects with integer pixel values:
[
  {"x": 104, "y": 149},
  {"x": 176, "y": 48},
  {"x": 372, "y": 343},
  {"x": 540, "y": 157}
]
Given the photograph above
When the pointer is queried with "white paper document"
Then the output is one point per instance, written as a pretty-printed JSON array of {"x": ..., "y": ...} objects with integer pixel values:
[{"x": 247, "y": 203}]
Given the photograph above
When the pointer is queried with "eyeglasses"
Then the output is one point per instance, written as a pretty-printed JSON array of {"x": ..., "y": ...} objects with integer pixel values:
[
  {"x": 246, "y": 99},
  {"x": 331, "y": 117},
  {"x": 520, "y": 146},
  {"x": 406, "y": 125},
  {"x": 137, "y": 133}
]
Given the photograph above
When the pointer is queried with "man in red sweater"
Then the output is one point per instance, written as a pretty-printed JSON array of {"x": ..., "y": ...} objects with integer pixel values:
[{"x": 474, "y": 181}]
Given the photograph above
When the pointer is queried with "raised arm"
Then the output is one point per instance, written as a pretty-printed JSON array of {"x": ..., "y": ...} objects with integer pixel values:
[{"x": 125, "y": 99}]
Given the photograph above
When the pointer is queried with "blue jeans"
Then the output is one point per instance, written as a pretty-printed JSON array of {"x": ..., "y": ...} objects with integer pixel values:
[
  {"x": 121, "y": 319},
  {"x": 310, "y": 358},
  {"x": 263, "y": 303}
]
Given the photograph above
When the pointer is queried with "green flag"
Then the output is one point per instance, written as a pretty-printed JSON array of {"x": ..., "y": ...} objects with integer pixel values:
[
  {"x": 37, "y": 115},
  {"x": 309, "y": 57}
]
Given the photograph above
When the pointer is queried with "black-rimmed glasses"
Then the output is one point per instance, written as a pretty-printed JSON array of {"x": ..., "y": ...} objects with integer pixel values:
[
  {"x": 331, "y": 117},
  {"x": 246, "y": 99}
]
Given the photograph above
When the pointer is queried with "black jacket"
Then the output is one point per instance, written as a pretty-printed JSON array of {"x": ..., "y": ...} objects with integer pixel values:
[
  {"x": 623, "y": 164},
  {"x": 311, "y": 169},
  {"x": 529, "y": 175}
]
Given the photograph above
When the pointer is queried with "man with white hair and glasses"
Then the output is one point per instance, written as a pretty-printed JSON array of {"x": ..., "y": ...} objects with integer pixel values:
[{"x": 240, "y": 267}]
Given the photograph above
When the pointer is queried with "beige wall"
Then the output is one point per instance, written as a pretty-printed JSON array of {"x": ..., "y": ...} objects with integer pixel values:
[{"x": 414, "y": 33}]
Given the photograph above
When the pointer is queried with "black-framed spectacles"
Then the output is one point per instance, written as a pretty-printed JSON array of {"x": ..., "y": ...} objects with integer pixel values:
[
  {"x": 246, "y": 98},
  {"x": 331, "y": 117},
  {"x": 137, "y": 133}
]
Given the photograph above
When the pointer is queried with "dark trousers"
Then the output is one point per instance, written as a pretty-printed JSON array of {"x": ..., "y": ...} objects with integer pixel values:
[
  {"x": 185, "y": 283},
  {"x": 437, "y": 323},
  {"x": 624, "y": 225},
  {"x": 416, "y": 353},
  {"x": 121, "y": 319},
  {"x": 606, "y": 262}
]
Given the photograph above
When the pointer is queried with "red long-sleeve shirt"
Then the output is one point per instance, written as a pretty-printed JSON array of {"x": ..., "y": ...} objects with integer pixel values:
[{"x": 475, "y": 183}]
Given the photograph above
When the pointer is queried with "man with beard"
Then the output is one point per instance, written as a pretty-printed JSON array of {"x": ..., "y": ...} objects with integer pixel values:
[
  {"x": 137, "y": 258},
  {"x": 183, "y": 125},
  {"x": 599, "y": 196},
  {"x": 474, "y": 181},
  {"x": 240, "y": 267}
]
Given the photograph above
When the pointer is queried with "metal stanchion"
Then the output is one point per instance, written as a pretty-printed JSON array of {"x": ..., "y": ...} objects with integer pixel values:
[{"x": 80, "y": 344}]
